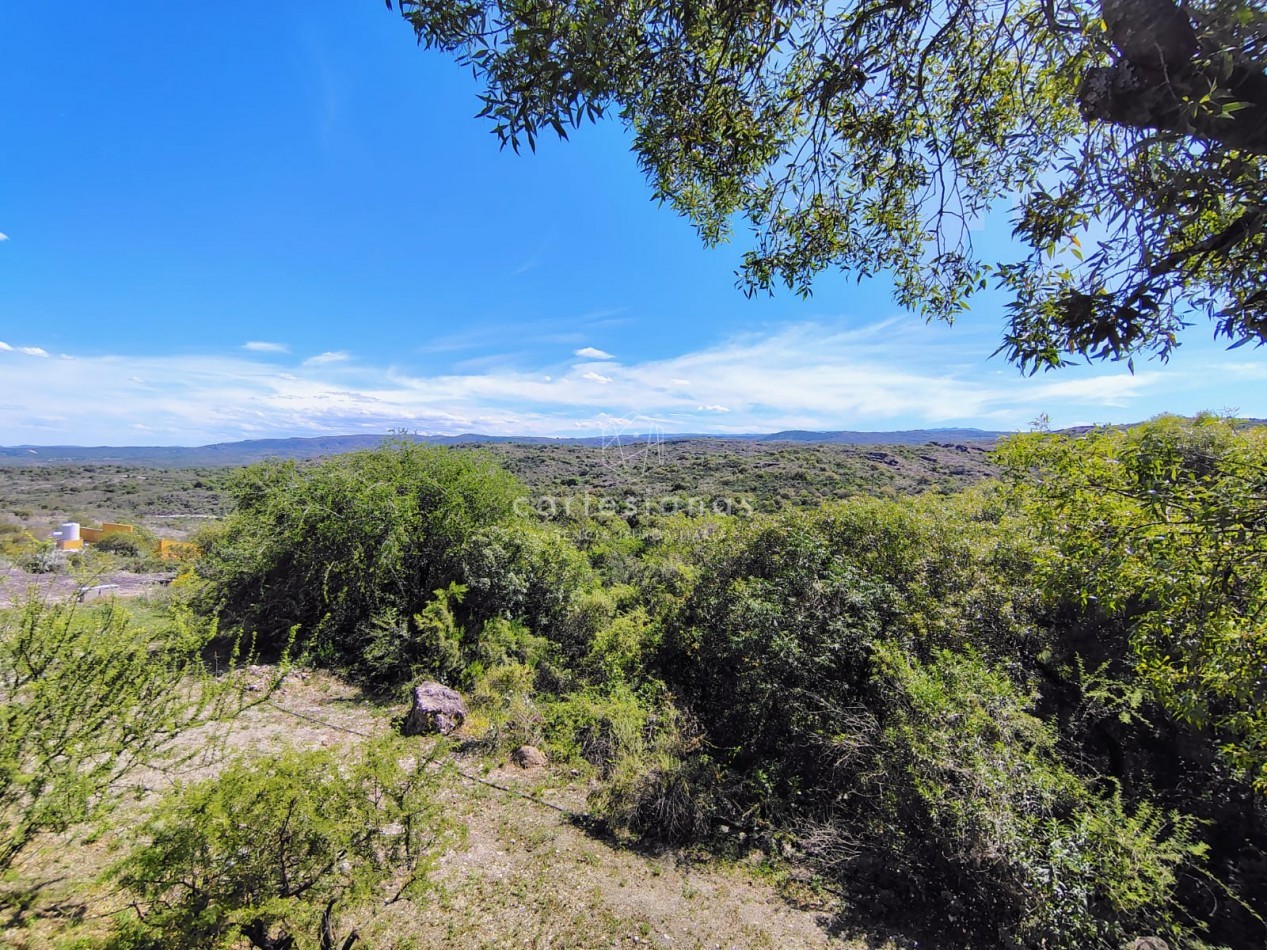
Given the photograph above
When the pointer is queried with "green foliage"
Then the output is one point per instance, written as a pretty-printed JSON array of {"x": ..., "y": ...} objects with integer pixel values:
[
  {"x": 655, "y": 781},
  {"x": 428, "y": 645},
  {"x": 268, "y": 849},
  {"x": 349, "y": 548},
  {"x": 503, "y": 701},
  {"x": 530, "y": 573},
  {"x": 124, "y": 545},
  {"x": 869, "y": 136},
  {"x": 965, "y": 789},
  {"x": 841, "y": 666},
  {"x": 1163, "y": 528},
  {"x": 775, "y": 640},
  {"x": 622, "y": 648},
  {"x": 1005, "y": 705},
  {"x": 88, "y": 697},
  {"x": 599, "y": 726},
  {"x": 14, "y": 540}
]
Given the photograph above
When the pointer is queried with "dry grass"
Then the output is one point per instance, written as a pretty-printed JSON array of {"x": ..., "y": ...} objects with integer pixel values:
[{"x": 526, "y": 873}]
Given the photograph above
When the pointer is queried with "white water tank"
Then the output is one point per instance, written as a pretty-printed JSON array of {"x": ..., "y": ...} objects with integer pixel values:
[{"x": 69, "y": 531}]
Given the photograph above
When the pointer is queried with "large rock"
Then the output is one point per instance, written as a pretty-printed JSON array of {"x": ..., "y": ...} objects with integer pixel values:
[
  {"x": 436, "y": 708},
  {"x": 529, "y": 757}
]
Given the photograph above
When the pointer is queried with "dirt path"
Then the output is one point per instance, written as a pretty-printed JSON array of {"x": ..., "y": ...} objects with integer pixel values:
[{"x": 16, "y": 585}]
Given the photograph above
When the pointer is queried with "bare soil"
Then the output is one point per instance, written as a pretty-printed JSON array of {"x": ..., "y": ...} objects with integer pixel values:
[
  {"x": 16, "y": 585},
  {"x": 527, "y": 871}
]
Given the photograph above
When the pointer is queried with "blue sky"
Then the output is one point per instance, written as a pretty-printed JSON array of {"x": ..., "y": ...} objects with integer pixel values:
[{"x": 261, "y": 219}]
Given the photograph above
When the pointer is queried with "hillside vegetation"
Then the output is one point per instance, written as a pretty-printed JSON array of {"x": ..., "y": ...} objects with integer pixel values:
[{"x": 1031, "y": 710}]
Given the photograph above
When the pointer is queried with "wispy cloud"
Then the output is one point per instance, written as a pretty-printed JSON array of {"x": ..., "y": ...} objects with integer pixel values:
[
  {"x": 805, "y": 376},
  {"x": 25, "y": 350},
  {"x": 324, "y": 359},
  {"x": 530, "y": 264},
  {"x": 593, "y": 353},
  {"x": 3, "y": 236},
  {"x": 261, "y": 346}
]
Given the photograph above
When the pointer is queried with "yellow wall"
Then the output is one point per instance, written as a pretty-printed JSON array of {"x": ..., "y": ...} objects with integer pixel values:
[{"x": 93, "y": 535}]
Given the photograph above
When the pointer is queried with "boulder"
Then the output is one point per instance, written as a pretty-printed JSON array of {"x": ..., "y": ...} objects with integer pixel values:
[
  {"x": 529, "y": 757},
  {"x": 1148, "y": 943},
  {"x": 436, "y": 708}
]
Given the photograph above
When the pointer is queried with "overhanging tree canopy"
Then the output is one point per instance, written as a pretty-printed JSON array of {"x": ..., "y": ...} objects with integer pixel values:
[{"x": 1130, "y": 137}]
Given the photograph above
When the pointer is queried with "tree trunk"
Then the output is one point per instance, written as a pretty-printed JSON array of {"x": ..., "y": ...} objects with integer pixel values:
[
  {"x": 327, "y": 930},
  {"x": 1160, "y": 79}
]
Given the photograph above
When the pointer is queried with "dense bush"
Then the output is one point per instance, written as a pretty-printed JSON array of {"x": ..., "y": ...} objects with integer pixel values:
[
  {"x": 42, "y": 558},
  {"x": 1162, "y": 528},
  {"x": 960, "y": 788},
  {"x": 775, "y": 641},
  {"x": 346, "y": 549},
  {"x": 123, "y": 545},
  {"x": 854, "y": 674}
]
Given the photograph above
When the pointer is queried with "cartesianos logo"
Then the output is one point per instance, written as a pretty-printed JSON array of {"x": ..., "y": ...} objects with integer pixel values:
[
  {"x": 631, "y": 441},
  {"x": 630, "y": 506}
]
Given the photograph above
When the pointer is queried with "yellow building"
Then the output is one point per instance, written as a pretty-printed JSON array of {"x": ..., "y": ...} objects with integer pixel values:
[{"x": 71, "y": 537}]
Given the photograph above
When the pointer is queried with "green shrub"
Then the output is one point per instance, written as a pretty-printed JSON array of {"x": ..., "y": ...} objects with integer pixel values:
[
  {"x": 122, "y": 545},
  {"x": 270, "y": 847},
  {"x": 343, "y": 548},
  {"x": 87, "y": 698},
  {"x": 963, "y": 790},
  {"x": 531, "y": 574},
  {"x": 503, "y": 700},
  {"x": 428, "y": 645},
  {"x": 43, "y": 558},
  {"x": 1162, "y": 530},
  {"x": 599, "y": 726},
  {"x": 656, "y": 781}
]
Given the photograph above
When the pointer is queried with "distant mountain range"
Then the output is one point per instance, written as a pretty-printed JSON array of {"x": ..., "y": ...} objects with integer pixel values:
[{"x": 253, "y": 450}]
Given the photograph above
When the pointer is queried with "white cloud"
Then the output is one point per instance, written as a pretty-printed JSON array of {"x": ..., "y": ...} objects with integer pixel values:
[
  {"x": 261, "y": 346},
  {"x": 806, "y": 376},
  {"x": 322, "y": 359},
  {"x": 3, "y": 236},
  {"x": 25, "y": 350},
  {"x": 1245, "y": 370},
  {"x": 593, "y": 353}
]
